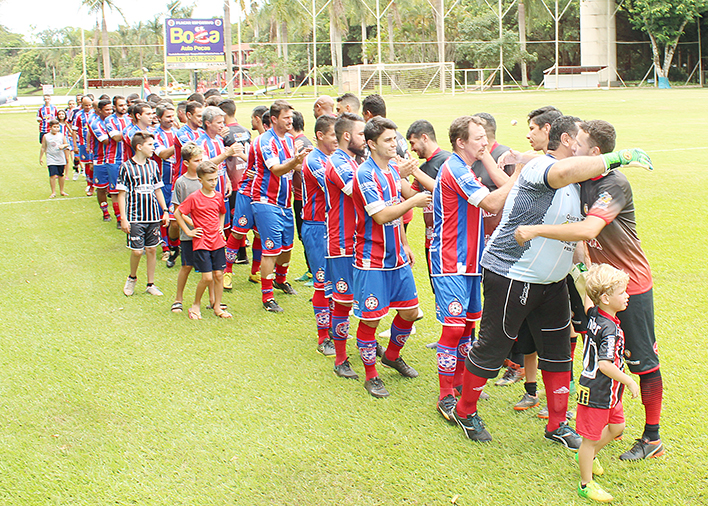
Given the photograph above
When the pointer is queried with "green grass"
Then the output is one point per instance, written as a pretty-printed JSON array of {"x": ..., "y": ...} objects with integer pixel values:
[{"x": 114, "y": 400}]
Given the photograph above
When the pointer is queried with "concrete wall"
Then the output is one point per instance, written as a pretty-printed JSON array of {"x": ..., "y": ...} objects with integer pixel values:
[{"x": 597, "y": 36}]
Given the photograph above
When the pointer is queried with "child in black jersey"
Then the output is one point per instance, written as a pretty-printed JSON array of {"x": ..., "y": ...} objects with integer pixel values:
[{"x": 600, "y": 416}]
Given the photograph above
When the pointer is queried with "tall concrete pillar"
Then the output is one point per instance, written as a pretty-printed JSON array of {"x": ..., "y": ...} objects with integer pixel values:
[{"x": 598, "y": 37}]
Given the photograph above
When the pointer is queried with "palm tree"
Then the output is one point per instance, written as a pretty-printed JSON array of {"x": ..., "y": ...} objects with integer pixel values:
[
  {"x": 95, "y": 6},
  {"x": 337, "y": 25},
  {"x": 175, "y": 9}
]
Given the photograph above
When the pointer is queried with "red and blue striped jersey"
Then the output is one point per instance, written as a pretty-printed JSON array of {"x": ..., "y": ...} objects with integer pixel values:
[
  {"x": 118, "y": 124},
  {"x": 377, "y": 246},
  {"x": 104, "y": 152},
  {"x": 71, "y": 114},
  {"x": 245, "y": 187},
  {"x": 458, "y": 232},
  {"x": 313, "y": 183},
  {"x": 45, "y": 113},
  {"x": 128, "y": 133},
  {"x": 271, "y": 151},
  {"x": 80, "y": 126},
  {"x": 213, "y": 148},
  {"x": 165, "y": 139},
  {"x": 65, "y": 128},
  {"x": 341, "y": 216},
  {"x": 183, "y": 135}
]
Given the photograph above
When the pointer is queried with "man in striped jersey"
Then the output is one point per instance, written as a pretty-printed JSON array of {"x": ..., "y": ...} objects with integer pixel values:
[
  {"x": 44, "y": 114},
  {"x": 107, "y": 159},
  {"x": 80, "y": 124},
  {"x": 165, "y": 134},
  {"x": 190, "y": 131},
  {"x": 140, "y": 201},
  {"x": 141, "y": 115}
]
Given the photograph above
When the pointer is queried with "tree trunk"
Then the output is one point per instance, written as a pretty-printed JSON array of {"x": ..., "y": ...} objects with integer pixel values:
[
  {"x": 522, "y": 42},
  {"x": 389, "y": 20},
  {"x": 95, "y": 45},
  {"x": 335, "y": 35},
  {"x": 104, "y": 42},
  {"x": 364, "y": 59},
  {"x": 284, "y": 35},
  {"x": 669, "y": 50}
]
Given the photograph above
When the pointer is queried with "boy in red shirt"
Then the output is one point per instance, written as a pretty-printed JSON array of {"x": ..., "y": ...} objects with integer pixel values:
[{"x": 207, "y": 210}]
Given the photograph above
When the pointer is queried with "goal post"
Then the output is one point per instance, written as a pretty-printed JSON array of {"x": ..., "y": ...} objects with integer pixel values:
[{"x": 400, "y": 78}]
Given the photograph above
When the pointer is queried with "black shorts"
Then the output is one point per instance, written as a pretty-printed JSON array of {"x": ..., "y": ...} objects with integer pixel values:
[
  {"x": 144, "y": 235},
  {"x": 56, "y": 170},
  {"x": 524, "y": 342},
  {"x": 208, "y": 261},
  {"x": 186, "y": 253},
  {"x": 507, "y": 303},
  {"x": 577, "y": 308},
  {"x": 637, "y": 322}
]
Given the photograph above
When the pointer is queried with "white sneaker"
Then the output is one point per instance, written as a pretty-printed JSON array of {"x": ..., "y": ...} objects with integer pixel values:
[
  {"x": 76, "y": 176},
  {"x": 129, "y": 287},
  {"x": 153, "y": 290}
]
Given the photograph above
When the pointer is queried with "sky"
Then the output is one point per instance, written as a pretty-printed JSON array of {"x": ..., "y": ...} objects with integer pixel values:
[{"x": 60, "y": 13}]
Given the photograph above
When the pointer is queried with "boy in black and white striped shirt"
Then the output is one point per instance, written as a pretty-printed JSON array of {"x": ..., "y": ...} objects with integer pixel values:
[{"x": 142, "y": 206}]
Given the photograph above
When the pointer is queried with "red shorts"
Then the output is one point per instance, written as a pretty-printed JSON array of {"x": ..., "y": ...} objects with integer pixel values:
[{"x": 591, "y": 421}]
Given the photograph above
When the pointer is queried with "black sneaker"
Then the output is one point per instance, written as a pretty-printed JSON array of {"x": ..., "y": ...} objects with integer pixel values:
[
  {"x": 644, "y": 449},
  {"x": 241, "y": 256},
  {"x": 326, "y": 348},
  {"x": 272, "y": 306},
  {"x": 170, "y": 262},
  {"x": 344, "y": 370},
  {"x": 379, "y": 350},
  {"x": 446, "y": 407},
  {"x": 566, "y": 436},
  {"x": 473, "y": 427},
  {"x": 398, "y": 364},
  {"x": 376, "y": 388},
  {"x": 285, "y": 287}
]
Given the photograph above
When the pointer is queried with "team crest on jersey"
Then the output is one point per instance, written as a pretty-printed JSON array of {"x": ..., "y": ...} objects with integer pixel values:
[
  {"x": 269, "y": 244},
  {"x": 341, "y": 286},
  {"x": 371, "y": 303},
  {"x": 603, "y": 200},
  {"x": 455, "y": 308},
  {"x": 320, "y": 275},
  {"x": 243, "y": 221}
]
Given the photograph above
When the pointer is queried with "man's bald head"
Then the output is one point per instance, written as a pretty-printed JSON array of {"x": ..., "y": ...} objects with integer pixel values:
[{"x": 324, "y": 105}]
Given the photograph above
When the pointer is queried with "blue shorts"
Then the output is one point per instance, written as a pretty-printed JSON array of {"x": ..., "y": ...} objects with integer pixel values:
[
  {"x": 339, "y": 279},
  {"x": 167, "y": 193},
  {"x": 84, "y": 155},
  {"x": 457, "y": 299},
  {"x": 106, "y": 176},
  {"x": 186, "y": 253},
  {"x": 314, "y": 239},
  {"x": 275, "y": 226},
  {"x": 243, "y": 215},
  {"x": 375, "y": 292},
  {"x": 208, "y": 261}
]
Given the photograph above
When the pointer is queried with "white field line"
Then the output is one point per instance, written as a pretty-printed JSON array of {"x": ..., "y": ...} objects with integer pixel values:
[{"x": 56, "y": 199}]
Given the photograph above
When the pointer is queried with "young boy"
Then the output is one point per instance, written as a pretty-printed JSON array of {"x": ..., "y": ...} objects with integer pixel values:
[
  {"x": 600, "y": 416},
  {"x": 185, "y": 185},
  {"x": 207, "y": 210},
  {"x": 53, "y": 144},
  {"x": 140, "y": 200}
]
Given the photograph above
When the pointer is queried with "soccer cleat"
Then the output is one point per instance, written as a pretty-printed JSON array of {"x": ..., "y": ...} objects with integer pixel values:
[
  {"x": 594, "y": 492},
  {"x": 129, "y": 287},
  {"x": 510, "y": 376},
  {"x": 644, "y": 449},
  {"x": 473, "y": 427},
  {"x": 376, "y": 388},
  {"x": 304, "y": 277},
  {"x": 241, "y": 257},
  {"x": 597, "y": 468},
  {"x": 174, "y": 253},
  {"x": 255, "y": 278},
  {"x": 379, "y": 350},
  {"x": 483, "y": 396},
  {"x": 309, "y": 283},
  {"x": 153, "y": 290},
  {"x": 106, "y": 217},
  {"x": 344, "y": 370},
  {"x": 272, "y": 306},
  {"x": 543, "y": 414},
  {"x": 228, "y": 280},
  {"x": 326, "y": 348},
  {"x": 566, "y": 436},
  {"x": 286, "y": 287},
  {"x": 400, "y": 365},
  {"x": 527, "y": 401},
  {"x": 446, "y": 407}
]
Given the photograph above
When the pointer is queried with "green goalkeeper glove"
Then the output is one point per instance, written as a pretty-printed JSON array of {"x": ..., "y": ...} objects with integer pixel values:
[{"x": 634, "y": 157}]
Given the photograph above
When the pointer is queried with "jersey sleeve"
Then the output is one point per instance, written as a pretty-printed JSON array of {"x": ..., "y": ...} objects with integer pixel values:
[
  {"x": 98, "y": 129},
  {"x": 269, "y": 151},
  {"x": 373, "y": 203},
  {"x": 122, "y": 182},
  {"x": 535, "y": 173},
  {"x": 187, "y": 206},
  {"x": 343, "y": 178},
  {"x": 606, "y": 346},
  {"x": 113, "y": 127},
  {"x": 610, "y": 201},
  {"x": 470, "y": 188}
]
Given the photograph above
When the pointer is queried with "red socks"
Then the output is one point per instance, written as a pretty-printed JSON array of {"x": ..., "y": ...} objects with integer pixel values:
[
  {"x": 116, "y": 210},
  {"x": 557, "y": 392},
  {"x": 400, "y": 332},
  {"x": 281, "y": 273},
  {"x": 447, "y": 358},
  {"x": 652, "y": 389},
  {"x": 366, "y": 341},
  {"x": 322, "y": 315},
  {"x": 472, "y": 386},
  {"x": 267, "y": 289}
]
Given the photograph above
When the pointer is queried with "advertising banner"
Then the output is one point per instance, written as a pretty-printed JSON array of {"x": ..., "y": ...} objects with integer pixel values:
[
  {"x": 194, "y": 43},
  {"x": 8, "y": 88}
]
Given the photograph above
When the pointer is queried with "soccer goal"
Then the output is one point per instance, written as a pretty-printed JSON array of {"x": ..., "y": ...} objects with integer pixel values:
[{"x": 406, "y": 78}]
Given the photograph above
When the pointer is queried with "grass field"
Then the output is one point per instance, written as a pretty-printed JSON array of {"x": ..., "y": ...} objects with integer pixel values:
[{"x": 115, "y": 400}]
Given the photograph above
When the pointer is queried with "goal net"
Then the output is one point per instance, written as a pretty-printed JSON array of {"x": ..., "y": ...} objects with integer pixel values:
[{"x": 392, "y": 78}]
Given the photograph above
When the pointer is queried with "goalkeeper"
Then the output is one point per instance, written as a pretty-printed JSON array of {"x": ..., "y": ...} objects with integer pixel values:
[
  {"x": 529, "y": 282},
  {"x": 610, "y": 232}
]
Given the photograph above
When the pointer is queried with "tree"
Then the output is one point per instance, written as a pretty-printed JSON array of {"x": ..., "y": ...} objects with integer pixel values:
[
  {"x": 664, "y": 22},
  {"x": 32, "y": 65},
  {"x": 95, "y": 6},
  {"x": 175, "y": 10}
]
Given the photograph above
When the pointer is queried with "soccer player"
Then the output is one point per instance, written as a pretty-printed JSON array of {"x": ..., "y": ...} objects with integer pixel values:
[
  {"x": 383, "y": 278},
  {"x": 140, "y": 201},
  {"x": 602, "y": 382},
  {"x": 190, "y": 131},
  {"x": 610, "y": 233},
  {"x": 313, "y": 224},
  {"x": 165, "y": 135},
  {"x": 341, "y": 226},
  {"x": 300, "y": 141},
  {"x": 529, "y": 282},
  {"x": 276, "y": 159},
  {"x": 348, "y": 103},
  {"x": 44, "y": 114},
  {"x": 141, "y": 115},
  {"x": 323, "y": 105},
  {"x": 373, "y": 106},
  {"x": 456, "y": 246},
  {"x": 107, "y": 159},
  {"x": 257, "y": 119},
  {"x": 53, "y": 144},
  {"x": 80, "y": 125}
]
